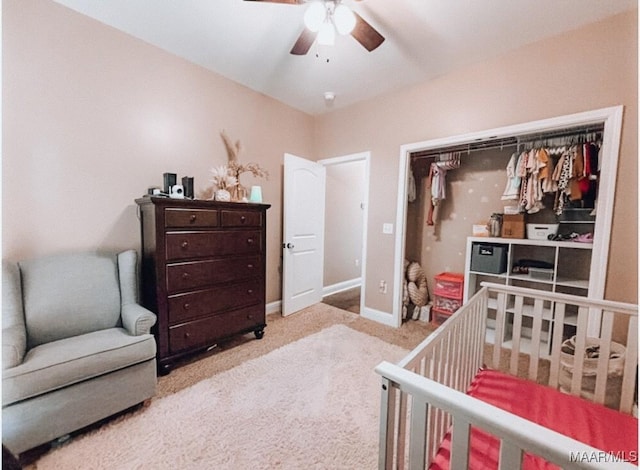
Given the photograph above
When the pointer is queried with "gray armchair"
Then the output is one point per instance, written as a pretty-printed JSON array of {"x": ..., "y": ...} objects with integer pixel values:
[{"x": 76, "y": 346}]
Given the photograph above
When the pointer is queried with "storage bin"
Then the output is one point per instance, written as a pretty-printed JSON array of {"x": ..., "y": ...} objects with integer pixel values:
[
  {"x": 438, "y": 317},
  {"x": 449, "y": 285},
  {"x": 513, "y": 226},
  {"x": 541, "y": 231},
  {"x": 445, "y": 304},
  {"x": 489, "y": 258},
  {"x": 479, "y": 230},
  {"x": 542, "y": 274}
]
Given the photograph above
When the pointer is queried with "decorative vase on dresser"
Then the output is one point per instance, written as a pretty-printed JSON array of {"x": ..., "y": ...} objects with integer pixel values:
[{"x": 203, "y": 272}]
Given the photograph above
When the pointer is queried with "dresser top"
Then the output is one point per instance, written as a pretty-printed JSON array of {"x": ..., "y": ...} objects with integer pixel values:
[{"x": 199, "y": 203}]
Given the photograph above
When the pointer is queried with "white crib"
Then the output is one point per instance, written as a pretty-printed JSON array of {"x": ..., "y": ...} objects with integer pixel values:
[{"x": 423, "y": 397}]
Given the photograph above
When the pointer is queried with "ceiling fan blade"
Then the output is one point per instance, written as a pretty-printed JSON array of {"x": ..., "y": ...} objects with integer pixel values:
[
  {"x": 366, "y": 34},
  {"x": 303, "y": 44},
  {"x": 291, "y": 2}
]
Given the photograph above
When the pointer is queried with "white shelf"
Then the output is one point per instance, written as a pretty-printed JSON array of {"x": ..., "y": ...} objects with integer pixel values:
[{"x": 557, "y": 254}]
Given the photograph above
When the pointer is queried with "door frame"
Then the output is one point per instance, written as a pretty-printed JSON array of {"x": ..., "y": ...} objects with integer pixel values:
[
  {"x": 612, "y": 119},
  {"x": 366, "y": 157}
]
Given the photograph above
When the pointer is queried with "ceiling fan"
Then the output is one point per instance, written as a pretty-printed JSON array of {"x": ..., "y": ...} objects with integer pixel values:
[{"x": 323, "y": 18}]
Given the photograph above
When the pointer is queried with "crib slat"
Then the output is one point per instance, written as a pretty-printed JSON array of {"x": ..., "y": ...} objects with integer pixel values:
[
  {"x": 387, "y": 424},
  {"x": 630, "y": 366},
  {"x": 499, "y": 331},
  {"x": 578, "y": 357},
  {"x": 556, "y": 342},
  {"x": 418, "y": 434},
  {"x": 401, "y": 430},
  {"x": 510, "y": 456},
  {"x": 602, "y": 374},
  {"x": 517, "y": 332},
  {"x": 460, "y": 443},
  {"x": 535, "y": 339}
]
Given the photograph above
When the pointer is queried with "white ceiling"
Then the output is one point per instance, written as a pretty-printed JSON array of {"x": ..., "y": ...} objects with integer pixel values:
[{"x": 249, "y": 42}]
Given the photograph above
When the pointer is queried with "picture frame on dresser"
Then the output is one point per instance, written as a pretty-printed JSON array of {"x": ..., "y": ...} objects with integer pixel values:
[{"x": 203, "y": 272}]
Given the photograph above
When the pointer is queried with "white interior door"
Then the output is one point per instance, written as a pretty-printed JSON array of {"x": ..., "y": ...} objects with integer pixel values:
[{"x": 303, "y": 233}]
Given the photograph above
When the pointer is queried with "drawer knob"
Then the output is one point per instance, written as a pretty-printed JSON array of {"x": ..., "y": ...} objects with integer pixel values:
[
  {"x": 185, "y": 275},
  {"x": 249, "y": 241},
  {"x": 250, "y": 266},
  {"x": 249, "y": 316},
  {"x": 187, "y": 335},
  {"x": 184, "y": 244},
  {"x": 250, "y": 291},
  {"x": 243, "y": 219},
  {"x": 186, "y": 306},
  {"x": 193, "y": 218}
]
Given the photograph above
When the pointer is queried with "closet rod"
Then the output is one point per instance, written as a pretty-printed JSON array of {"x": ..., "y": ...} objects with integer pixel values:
[{"x": 500, "y": 143}]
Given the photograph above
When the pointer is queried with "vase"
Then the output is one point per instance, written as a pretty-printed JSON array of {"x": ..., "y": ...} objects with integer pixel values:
[
  {"x": 238, "y": 193},
  {"x": 222, "y": 195}
]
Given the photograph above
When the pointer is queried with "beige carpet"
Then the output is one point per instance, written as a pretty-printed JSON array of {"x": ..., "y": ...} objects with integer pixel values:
[{"x": 313, "y": 403}]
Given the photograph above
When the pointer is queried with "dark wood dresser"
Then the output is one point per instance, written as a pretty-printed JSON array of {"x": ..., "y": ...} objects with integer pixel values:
[{"x": 203, "y": 272}]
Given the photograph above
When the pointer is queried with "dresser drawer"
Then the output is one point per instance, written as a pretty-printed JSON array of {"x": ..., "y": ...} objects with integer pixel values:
[
  {"x": 240, "y": 218},
  {"x": 180, "y": 218},
  {"x": 207, "y": 331},
  {"x": 198, "y": 274},
  {"x": 187, "y": 306},
  {"x": 188, "y": 245}
]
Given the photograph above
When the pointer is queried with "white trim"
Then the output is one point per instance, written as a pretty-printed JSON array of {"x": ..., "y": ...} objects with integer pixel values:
[
  {"x": 341, "y": 286},
  {"x": 366, "y": 156},
  {"x": 378, "y": 315},
  {"x": 612, "y": 119},
  {"x": 273, "y": 307}
]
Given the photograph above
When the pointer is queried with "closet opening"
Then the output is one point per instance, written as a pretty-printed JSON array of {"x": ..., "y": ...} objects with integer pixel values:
[{"x": 451, "y": 188}]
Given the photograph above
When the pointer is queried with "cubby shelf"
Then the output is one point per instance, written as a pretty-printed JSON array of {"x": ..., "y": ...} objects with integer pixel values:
[{"x": 570, "y": 263}]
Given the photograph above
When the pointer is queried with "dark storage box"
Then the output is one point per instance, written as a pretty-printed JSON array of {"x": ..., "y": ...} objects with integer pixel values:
[{"x": 489, "y": 258}]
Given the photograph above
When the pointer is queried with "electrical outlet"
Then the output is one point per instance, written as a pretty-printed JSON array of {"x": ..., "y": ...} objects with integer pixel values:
[{"x": 383, "y": 287}]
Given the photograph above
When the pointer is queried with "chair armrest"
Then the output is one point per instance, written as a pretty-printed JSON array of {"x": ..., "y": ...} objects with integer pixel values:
[
  {"x": 14, "y": 333},
  {"x": 137, "y": 320},
  {"x": 14, "y": 345}
]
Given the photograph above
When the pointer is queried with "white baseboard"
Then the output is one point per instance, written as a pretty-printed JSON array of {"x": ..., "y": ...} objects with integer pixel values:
[
  {"x": 379, "y": 316},
  {"x": 340, "y": 286},
  {"x": 273, "y": 307}
]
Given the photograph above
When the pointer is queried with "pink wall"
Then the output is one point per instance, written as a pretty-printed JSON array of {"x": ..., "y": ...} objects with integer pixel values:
[
  {"x": 93, "y": 117},
  {"x": 590, "y": 68}
]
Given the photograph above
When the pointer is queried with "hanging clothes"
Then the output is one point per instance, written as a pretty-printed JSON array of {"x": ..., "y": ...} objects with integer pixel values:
[
  {"x": 411, "y": 186},
  {"x": 562, "y": 175},
  {"x": 512, "y": 188},
  {"x": 437, "y": 176}
]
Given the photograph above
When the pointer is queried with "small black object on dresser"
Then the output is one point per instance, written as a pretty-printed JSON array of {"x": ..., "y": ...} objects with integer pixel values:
[{"x": 203, "y": 272}]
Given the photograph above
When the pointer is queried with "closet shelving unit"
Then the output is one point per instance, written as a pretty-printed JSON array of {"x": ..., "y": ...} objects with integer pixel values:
[{"x": 571, "y": 265}]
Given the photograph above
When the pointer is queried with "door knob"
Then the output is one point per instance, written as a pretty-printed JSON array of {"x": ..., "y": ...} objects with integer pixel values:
[{"x": 288, "y": 245}]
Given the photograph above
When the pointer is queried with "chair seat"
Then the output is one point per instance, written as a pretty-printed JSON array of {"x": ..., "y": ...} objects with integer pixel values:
[{"x": 61, "y": 363}]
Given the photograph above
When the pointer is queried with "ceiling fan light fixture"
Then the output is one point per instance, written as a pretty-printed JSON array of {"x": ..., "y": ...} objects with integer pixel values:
[
  {"x": 327, "y": 34},
  {"x": 315, "y": 16},
  {"x": 344, "y": 19}
]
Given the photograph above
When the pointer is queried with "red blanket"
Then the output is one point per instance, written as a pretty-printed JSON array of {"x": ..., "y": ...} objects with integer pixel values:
[{"x": 600, "y": 427}]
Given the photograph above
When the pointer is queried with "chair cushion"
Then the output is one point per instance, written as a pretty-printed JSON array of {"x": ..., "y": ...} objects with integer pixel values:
[
  {"x": 69, "y": 295},
  {"x": 64, "y": 362}
]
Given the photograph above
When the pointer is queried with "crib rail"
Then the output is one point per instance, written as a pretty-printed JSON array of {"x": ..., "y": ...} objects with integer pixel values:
[{"x": 440, "y": 370}]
